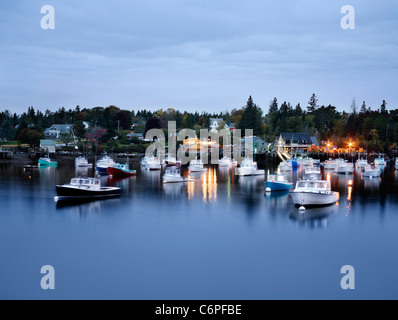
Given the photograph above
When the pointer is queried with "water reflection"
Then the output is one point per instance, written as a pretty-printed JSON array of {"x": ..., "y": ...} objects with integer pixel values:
[
  {"x": 153, "y": 177},
  {"x": 209, "y": 185},
  {"x": 85, "y": 208},
  {"x": 277, "y": 199},
  {"x": 371, "y": 184},
  {"x": 313, "y": 217},
  {"x": 175, "y": 190},
  {"x": 82, "y": 172}
]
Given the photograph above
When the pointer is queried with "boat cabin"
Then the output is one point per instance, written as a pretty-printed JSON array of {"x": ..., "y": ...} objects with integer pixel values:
[
  {"x": 277, "y": 178},
  {"x": 93, "y": 183},
  {"x": 313, "y": 185}
]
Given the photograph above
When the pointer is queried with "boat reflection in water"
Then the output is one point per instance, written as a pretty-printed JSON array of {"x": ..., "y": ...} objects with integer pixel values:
[
  {"x": 86, "y": 209},
  {"x": 316, "y": 217},
  {"x": 81, "y": 172},
  {"x": 371, "y": 184},
  {"x": 174, "y": 190},
  {"x": 153, "y": 177},
  {"x": 277, "y": 199}
]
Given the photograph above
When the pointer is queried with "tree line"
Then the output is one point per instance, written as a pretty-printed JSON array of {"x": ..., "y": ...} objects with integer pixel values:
[{"x": 374, "y": 129}]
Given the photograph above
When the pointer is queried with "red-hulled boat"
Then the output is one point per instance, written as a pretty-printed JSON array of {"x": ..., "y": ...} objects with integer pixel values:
[{"x": 121, "y": 170}]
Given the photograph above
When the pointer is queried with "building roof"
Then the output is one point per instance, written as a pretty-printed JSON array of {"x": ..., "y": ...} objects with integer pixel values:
[
  {"x": 255, "y": 139},
  {"x": 47, "y": 143},
  {"x": 314, "y": 141},
  {"x": 299, "y": 138},
  {"x": 62, "y": 127}
]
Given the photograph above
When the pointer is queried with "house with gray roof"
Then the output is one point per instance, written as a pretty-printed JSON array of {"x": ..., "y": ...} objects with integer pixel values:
[
  {"x": 48, "y": 145},
  {"x": 293, "y": 142},
  {"x": 56, "y": 130},
  {"x": 215, "y": 123}
]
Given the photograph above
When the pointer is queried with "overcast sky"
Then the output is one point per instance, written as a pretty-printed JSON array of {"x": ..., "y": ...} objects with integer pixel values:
[{"x": 204, "y": 55}]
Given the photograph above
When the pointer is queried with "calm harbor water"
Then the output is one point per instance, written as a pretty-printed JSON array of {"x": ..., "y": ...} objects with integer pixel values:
[{"x": 220, "y": 237}]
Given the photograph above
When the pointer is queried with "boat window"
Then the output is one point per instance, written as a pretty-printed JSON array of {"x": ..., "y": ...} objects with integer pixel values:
[{"x": 96, "y": 182}]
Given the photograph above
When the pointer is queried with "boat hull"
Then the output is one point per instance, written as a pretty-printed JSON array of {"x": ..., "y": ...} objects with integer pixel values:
[
  {"x": 120, "y": 173},
  {"x": 196, "y": 169},
  {"x": 372, "y": 173},
  {"x": 250, "y": 172},
  {"x": 102, "y": 169},
  {"x": 153, "y": 166},
  {"x": 303, "y": 198},
  {"x": 174, "y": 179},
  {"x": 46, "y": 163},
  {"x": 345, "y": 170},
  {"x": 69, "y": 192},
  {"x": 278, "y": 186},
  {"x": 313, "y": 175}
]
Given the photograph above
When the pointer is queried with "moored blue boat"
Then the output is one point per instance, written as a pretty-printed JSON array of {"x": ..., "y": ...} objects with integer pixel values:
[
  {"x": 47, "y": 162},
  {"x": 278, "y": 182},
  {"x": 103, "y": 164}
]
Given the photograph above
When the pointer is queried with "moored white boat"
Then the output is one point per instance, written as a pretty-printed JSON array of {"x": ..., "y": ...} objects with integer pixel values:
[
  {"x": 196, "y": 166},
  {"x": 312, "y": 173},
  {"x": 285, "y": 166},
  {"x": 153, "y": 163},
  {"x": 171, "y": 161},
  {"x": 143, "y": 161},
  {"x": 380, "y": 162},
  {"x": 361, "y": 164},
  {"x": 371, "y": 172},
  {"x": 307, "y": 162},
  {"x": 329, "y": 165},
  {"x": 227, "y": 162},
  {"x": 249, "y": 168},
  {"x": 345, "y": 167},
  {"x": 173, "y": 175},
  {"x": 82, "y": 162},
  {"x": 102, "y": 164},
  {"x": 314, "y": 193}
]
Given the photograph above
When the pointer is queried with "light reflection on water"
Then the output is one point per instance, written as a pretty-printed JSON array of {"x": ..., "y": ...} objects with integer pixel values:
[{"x": 220, "y": 236}]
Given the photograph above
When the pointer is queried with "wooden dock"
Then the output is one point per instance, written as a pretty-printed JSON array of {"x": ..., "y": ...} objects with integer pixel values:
[{"x": 4, "y": 154}]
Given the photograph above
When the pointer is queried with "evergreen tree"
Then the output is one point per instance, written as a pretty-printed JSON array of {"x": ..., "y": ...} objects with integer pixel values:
[
  {"x": 363, "y": 108},
  {"x": 354, "y": 107},
  {"x": 79, "y": 129},
  {"x": 313, "y": 103},
  {"x": 273, "y": 107},
  {"x": 251, "y": 118},
  {"x": 152, "y": 123},
  {"x": 383, "y": 107},
  {"x": 298, "y": 111}
]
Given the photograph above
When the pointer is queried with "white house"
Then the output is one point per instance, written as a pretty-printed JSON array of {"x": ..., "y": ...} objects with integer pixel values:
[
  {"x": 215, "y": 123},
  {"x": 48, "y": 145},
  {"x": 56, "y": 130}
]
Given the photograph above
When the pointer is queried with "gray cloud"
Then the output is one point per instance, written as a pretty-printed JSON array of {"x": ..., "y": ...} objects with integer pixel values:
[{"x": 199, "y": 55}]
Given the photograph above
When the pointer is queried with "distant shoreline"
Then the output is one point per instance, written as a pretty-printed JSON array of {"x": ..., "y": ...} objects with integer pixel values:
[{"x": 24, "y": 158}]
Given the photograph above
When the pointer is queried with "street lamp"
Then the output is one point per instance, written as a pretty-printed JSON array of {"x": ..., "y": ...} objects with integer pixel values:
[{"x": 349, "y": 148}]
